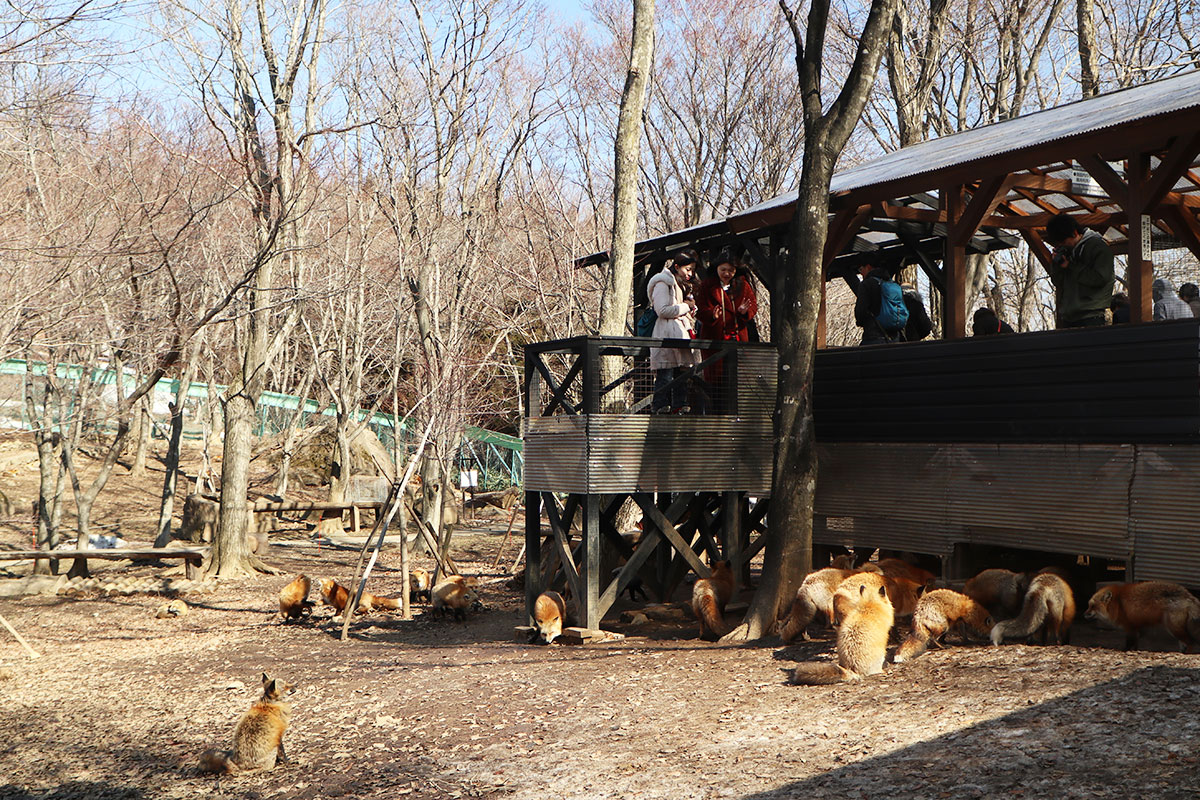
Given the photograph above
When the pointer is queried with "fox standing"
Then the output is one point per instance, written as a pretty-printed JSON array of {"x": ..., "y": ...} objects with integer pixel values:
[
  {"x": 451, "y": 594},
  {"x": 1133, "y": 606},
  {"x": 1000, "y": 591},
  {"x": 864, "y": 616},
  {"x": 815, "y": 594},
  {"x": 709, "y": 597},
  {"x": 1049, "y": 606},
  {"x": 293, "y": 599},
  {"x": 549, "y": 616},
  {"x": 936, "y": 613},
  {"x": 338, "y": 596},
  {"x": 258, "y": 737}
]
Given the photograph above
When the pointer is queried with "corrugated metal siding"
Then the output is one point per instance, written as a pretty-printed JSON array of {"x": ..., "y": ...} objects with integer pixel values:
[
  {"x": 642, "y": 452},
  {"x": 1061, "y": 498},
  {"x": 757, "y": 377},
  {"x": 1057, "y": 498},
  {"x": 607, "y": 453},
  {"x": 555, "y": 453},
  {"x": 1166, "y": 521},
  {"x": 883, "y": 495}
]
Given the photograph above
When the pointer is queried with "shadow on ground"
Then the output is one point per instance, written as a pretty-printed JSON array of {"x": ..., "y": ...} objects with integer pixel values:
[{"x": 1133, "y": 737}]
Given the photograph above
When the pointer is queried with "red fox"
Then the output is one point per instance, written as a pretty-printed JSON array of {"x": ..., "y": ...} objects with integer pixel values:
[
  {"x": 815, "y": 594},
  {"x": 936, "y": 612},
  {"x": 844, "y": 561},
  {"x": 549, "y": 616},
  {"x": 1133, "y": 606},
  {"x": 864, "y": 618},
  {"x": 1000, "y": 591},
  {"x": 452, "y": 594},
  {"x": 1049, "y": 606},
  {"x": 709, "y": 597},
  {"x": 904, "y": 595},
  {"x": 898, "y": 568},
  {"x": 258, "y": 737},
  {"x": 293, "y": 599},
  {"x": 336, "y": 595},
  {"x": 420, "y": 585}
]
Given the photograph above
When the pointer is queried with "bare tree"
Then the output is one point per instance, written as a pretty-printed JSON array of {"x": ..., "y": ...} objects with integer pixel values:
[{"x": 796, "y": 302}]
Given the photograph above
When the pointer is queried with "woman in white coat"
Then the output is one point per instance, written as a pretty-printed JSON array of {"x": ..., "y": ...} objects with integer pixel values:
[{"x": 670, "y": 292}]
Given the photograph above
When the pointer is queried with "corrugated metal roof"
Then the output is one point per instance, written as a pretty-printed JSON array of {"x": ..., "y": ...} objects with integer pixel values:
[{"x": 1158, "y": 98}]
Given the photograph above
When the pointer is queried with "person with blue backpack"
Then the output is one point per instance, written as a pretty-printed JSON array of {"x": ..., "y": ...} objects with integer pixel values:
[{"x": 880, "y": 309}]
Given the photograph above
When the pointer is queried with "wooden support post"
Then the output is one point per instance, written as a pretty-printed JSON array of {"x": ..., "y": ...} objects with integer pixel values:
[
  {"x": 954, "y": 307},
  {"x": 1139, "y": 273},
  {"x": 589, "y": 604},
  {"x": 731, "y": 529},
  {"x": 533, "y": 549}
]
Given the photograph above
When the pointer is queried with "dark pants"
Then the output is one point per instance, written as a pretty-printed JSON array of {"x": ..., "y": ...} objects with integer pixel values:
[{"x": 673, "y": 397}]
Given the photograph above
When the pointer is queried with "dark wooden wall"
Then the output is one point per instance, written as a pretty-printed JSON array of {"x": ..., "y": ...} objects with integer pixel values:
[{"x": 1123, "y": 384}]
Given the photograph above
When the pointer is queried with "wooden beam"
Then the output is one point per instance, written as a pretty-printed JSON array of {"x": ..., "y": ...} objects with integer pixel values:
[
  {"x": 1107, "y": 177},
  {"x": 1140, "y": 270},
  {"x": 983, "y": 202},
  {"x": 842, "y": 230},
  {"x": 1171, "y": 168},
  {"x": 1183, "y": 226},
  {"x": 668, "y": 530},
  {"x": 954, "y": 312}
]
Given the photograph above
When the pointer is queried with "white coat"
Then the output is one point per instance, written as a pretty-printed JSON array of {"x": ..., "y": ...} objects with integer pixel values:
[{"x": 675, "y": 321}]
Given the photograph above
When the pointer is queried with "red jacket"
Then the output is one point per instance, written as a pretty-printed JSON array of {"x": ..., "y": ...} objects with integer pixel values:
[{"x": 725, "y": 314}]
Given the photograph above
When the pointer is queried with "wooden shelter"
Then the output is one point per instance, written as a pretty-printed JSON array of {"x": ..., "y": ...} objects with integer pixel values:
[{"x": 1081, "y": 442}]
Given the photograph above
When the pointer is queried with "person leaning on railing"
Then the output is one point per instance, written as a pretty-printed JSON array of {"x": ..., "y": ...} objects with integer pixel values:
[
  {"x": 726, "y": 304},
  {"x": 670, "y": 294}
]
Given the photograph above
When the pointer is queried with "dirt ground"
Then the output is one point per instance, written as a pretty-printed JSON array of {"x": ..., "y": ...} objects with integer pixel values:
[{"x": 121, "y": 703}]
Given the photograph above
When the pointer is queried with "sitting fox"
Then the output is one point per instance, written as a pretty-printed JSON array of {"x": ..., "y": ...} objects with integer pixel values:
[
  {"x": 814, "y": 595},
  {"x": 864, "y": 616},
  {"x": 258, "y": 737}
]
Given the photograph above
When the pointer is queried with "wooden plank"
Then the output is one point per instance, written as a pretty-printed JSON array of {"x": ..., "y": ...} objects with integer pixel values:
[
  {"x": 954, "y": 312},
  {"x": 668, "y": 530},
  {"x": 563, "y": 547},
  {"x": 1171, "y": 168},
  {"x": 983, "y": 202},
  {"x": 114, "y": 554}
]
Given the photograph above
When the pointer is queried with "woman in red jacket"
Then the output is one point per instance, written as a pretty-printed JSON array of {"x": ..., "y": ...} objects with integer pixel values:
[{"x": 725, "y": 304}]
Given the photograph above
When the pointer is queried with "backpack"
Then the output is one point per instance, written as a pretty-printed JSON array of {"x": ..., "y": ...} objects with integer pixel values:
[
  {"x": 893, "y": 313},
  {"x": 645, "y": 323}
]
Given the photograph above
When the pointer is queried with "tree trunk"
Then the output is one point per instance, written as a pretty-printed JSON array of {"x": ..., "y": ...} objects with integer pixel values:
[
  {"x": 614, "y": 301},
  {"x": 141, "y": 433},
  {"x": 1089, "y": 67},
  {"x": 230, "y": 557},
  {"x": 339, "y": 479},
  {"x": 788, "y": 554},
  {"x": 170, "y": 480}
]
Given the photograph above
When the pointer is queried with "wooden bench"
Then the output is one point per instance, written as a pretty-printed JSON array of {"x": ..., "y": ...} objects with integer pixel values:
[
  {"x": 192, "y": 558},
  {"x": 327, "y": 508}
]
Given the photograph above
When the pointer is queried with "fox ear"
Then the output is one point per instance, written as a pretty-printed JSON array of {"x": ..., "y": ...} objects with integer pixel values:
[
  {"x": 1105, "y": 596},
  {"x": 883, "y": 591},
  {"x": 265, "y": 679}
]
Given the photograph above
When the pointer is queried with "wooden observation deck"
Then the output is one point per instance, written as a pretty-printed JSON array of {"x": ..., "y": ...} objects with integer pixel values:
[{"x": 591, "y": 443}]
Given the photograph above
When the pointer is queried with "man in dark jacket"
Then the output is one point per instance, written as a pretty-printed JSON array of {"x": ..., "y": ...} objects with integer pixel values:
[
  {"x": 866, "y": 307},
  {"x": 1081, "y": 270}
]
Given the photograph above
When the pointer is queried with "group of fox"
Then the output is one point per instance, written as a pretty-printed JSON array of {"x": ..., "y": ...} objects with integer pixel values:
[
  {"x": 864, "y": 604},
  {"x": 452, "y": 594}
]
